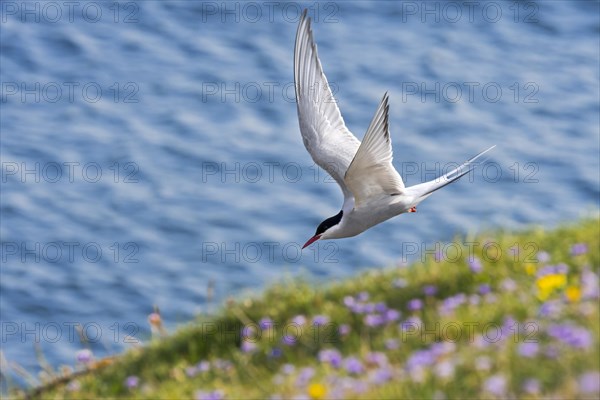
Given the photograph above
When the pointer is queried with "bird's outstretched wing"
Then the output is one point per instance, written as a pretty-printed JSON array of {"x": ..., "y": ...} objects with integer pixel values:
[
  {"x": 331, "y": 145},
  {"x": 371, "y": 173}
]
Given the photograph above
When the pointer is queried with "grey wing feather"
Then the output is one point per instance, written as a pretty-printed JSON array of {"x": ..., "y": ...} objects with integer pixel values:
[
  {"x": 331, "y": 145},
  {"x": 371, "y": 172}
]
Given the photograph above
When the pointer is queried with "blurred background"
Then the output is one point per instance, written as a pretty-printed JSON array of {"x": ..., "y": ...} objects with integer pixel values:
[{"x": 151, "y": 154}]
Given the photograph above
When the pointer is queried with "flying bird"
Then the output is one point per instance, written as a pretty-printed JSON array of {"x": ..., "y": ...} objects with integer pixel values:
[{"x": 373, "y": 190}]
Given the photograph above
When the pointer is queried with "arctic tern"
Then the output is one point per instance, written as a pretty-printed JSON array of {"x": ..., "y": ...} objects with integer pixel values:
[{"x": 373, "y": 190}]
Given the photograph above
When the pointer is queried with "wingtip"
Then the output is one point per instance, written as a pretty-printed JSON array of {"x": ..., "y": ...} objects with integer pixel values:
[
  {"x": 488, "y": 149},
  {"x": 305, "y": 17}
]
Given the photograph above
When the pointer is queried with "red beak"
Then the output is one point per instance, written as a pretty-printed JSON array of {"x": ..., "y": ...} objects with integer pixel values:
[{"x": 311, "y": 240}]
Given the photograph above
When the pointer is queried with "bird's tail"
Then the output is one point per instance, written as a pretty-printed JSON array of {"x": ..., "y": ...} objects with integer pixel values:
[{"x": 424, "y": 190}]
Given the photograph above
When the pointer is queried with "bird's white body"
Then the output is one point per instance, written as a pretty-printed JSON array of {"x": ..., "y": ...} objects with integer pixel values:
[
  {"x": 373, "y": 190},
  {"x": 365, "y": 216}
]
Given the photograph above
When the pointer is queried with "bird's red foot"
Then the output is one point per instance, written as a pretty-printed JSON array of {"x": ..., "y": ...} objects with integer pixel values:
[{"x": 413, "y": 209}]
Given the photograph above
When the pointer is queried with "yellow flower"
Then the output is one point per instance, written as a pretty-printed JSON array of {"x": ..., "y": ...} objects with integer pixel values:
[
  {"x": 530, "y": 268},
  {"x": 573, "y": 294},
  {"x": 551, "y": 282},
  {"x": 317, "y": 391},
  {"x": 548, "y": 283}
]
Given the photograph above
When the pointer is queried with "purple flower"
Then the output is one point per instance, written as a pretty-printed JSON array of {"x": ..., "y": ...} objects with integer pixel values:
[
  {"x": 380, "y": 307},
  {"x": 509, "y": 326},
  {"x": 304, "y": 376},
  {"x": 289, "y": 340},
  {"x": 349, "y": 301},
  {"x": 531, "y": 386},
  {"x": 214, "y": 395},
  {"x": 299, "y": 320},
  {"x": 543, "y": 256},
  {"x": 377, "y": 358},
  {"x": 528, "y": 349},
  {"x": 391, "y": 315},
  {"x": 475, "y": 265},
  {"x": 358, "y": 308},
  {"x": 369, "y": 307},
  {"x": 438, "y": 256},
  {"x": 363, "y": 296},
  {"x": 354, "y": 385},
  {"x": 275, "y": 352},
  {"x": 131, "y": 382},
  {"x": 191, "y": 371},
  {"x": 74, "y": 386},
  {"x": 508, "y": 285},
  {"x": 484, "y": 289},
  {"x": 420, "y": 358},
  {"x": 551, "y": 351},
  {"x": 288, "y": 369},
  {"x": 546, "y": 270},
  {"x": 250, "y": 331},
  {"x": 203, "y": 366},
  {"x": 551, "y": 309},
  {"x": 571, "y": 335},
  {"x": 222, "y": 364},
  {"x": 247, "y": 346},
  {"x": 400, "y": 283},
  {"x": 319, "y": 320},
  {"x": 410, "y": 324},
  {"x": 331, "y": 356},
  {"x": 444, "y": 369},
  {"x": 451, "y": 303},
  {"x": 391, "y": 344},
  {"x": 578, "y": 249},
  {"x": 442, "y": 348},
  {"x": 483, "y": 363},
  {"x": 84, "y": 356},
  {"x": 353, "y": 365},
  {"x": 496, "y": 385},
  {"x": 589, "y": 383},
  {"x": 415, "y": 304},
  {"x": 380, "y": 375},
  {"x": 429, "y": 290},
  {"x": 561, "y": 268},
  {"x": 372, "y": 320},
  {"x": 590, "y": 289},
  {"x": 344, "y": 329},
  {"x": 265, "y": 323}
]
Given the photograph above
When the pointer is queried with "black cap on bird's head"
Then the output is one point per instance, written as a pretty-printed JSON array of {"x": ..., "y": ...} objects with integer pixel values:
[{"x": 324, "y": 226}]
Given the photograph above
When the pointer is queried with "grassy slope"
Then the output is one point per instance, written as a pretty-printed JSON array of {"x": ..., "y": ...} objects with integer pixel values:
[{"x": 474, "y": 365}]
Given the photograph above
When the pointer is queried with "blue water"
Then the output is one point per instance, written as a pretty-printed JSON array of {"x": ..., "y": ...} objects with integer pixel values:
[{"x": 164, "y": 134}]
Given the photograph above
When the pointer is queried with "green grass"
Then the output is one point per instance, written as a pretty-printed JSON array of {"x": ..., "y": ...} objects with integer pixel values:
[{"x": 549, "y": 340}]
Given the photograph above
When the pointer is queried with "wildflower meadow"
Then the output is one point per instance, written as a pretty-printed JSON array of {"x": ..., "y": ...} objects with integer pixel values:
[{"x": 521, "y": 321}]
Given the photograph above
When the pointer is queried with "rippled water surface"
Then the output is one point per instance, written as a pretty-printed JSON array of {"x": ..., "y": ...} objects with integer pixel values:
[{"x": 154, "y": 147}]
